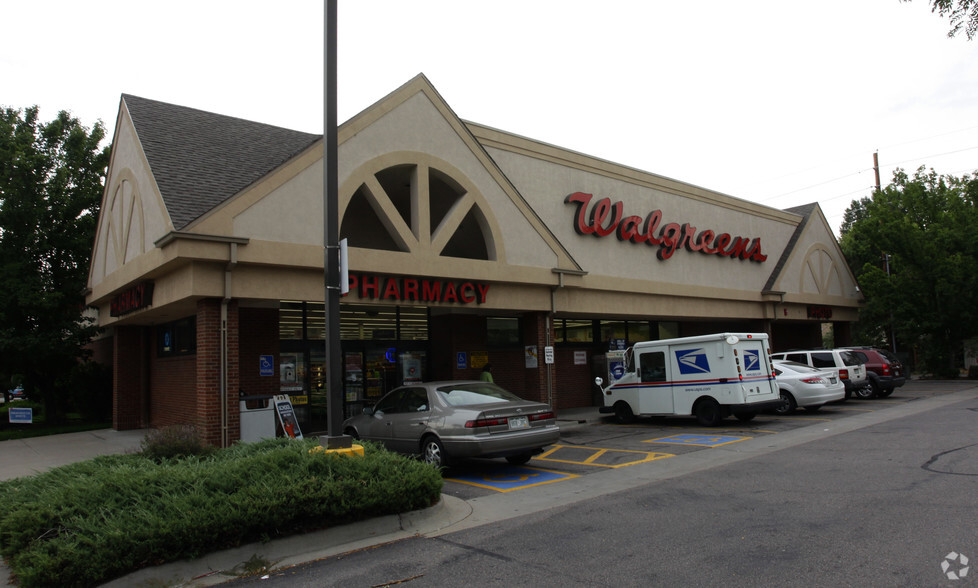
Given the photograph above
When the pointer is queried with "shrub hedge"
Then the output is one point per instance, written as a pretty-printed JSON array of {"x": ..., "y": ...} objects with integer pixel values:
[{"x": 89, "y": 522}]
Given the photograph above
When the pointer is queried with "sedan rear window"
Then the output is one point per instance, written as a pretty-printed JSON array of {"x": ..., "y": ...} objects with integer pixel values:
[{"x": 476, "y": 393}]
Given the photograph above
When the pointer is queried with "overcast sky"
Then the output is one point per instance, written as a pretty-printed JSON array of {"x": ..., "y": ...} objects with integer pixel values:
[{"x": 777, "y": 102}]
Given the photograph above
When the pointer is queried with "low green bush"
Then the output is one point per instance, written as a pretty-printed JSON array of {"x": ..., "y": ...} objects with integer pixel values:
[
  {"x": 89, "y": 522},
  {"x": 174, "y": 441}
]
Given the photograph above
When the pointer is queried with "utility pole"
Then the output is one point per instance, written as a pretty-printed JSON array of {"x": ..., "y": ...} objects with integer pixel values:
[
  {"x": 876, "y": 168},
  {"x": 331, "y": 251}
]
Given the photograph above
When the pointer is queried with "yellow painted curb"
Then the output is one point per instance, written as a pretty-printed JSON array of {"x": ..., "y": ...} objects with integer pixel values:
[{"x": 353, "y": 451}]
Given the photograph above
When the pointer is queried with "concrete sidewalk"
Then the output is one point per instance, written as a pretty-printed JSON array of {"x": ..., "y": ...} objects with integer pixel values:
[{"x": 26, "y": 457}]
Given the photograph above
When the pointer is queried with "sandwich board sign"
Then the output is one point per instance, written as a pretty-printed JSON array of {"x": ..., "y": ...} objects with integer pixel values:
[{"x": 286, "y": 416}]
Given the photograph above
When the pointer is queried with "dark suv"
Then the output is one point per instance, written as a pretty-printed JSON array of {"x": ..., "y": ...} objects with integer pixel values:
[{"x": 883, "y": 368}]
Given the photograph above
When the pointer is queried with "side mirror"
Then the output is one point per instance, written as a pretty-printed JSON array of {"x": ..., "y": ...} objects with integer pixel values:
[{"x": 598, "y": 381}]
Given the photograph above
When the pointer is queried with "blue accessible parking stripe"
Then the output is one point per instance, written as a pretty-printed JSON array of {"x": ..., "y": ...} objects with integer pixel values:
[
  {"x": 512, "y": 478},
  {"x": 699, "y": 440}
]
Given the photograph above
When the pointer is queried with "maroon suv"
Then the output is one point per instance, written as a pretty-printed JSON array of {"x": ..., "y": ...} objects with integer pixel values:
[{"x": 883, "y": 370}]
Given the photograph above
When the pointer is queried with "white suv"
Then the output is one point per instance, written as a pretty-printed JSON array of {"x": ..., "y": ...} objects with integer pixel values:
[{"x": 843, "y": 362}]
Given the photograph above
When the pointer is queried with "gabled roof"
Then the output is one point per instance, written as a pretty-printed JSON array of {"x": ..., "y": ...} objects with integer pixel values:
[
  {"x": 200, "y": 159},
  {"x": 804, "y": 211}
]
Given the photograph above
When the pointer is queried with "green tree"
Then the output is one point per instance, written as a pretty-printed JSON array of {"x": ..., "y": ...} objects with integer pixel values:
[
  {"x": 963, "y": 15},
  {"x": 914, "y": 249},
  {"x": 51, "y": 178}
]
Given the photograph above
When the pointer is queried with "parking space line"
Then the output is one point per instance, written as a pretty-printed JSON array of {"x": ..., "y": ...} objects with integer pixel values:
[
  {"x": 512, "y": 478},
  {"x": 598, "y": 453},
  {"x": 699, "y": 440}
]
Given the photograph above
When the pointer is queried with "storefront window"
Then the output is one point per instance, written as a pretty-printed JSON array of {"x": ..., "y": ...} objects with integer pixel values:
[
  {"x": 574, "y": 330},
  {"x": 503, "y": 331},
  {"x": 412, "y": 323},
  {"x": 362, "y": 322},
  {"x": 290, "y": 320},
  {"x": 613, "y": 331},
  {"x": 177, "y": 338},
  {"x": 668, "y": 330},
  {"x": 639, "y": 331}
]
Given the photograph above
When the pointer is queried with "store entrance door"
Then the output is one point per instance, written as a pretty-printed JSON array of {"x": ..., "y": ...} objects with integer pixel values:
[{"x": 372, "y": 370}]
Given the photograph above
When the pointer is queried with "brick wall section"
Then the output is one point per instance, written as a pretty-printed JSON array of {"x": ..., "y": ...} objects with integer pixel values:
[
  {"x": 208, "y": 371},
  {"x": 259, "y": 336},
  {"x": 174, "y": 390},
  {"x": 128, "y": 369},
  {"x": 576, "y": 381}
]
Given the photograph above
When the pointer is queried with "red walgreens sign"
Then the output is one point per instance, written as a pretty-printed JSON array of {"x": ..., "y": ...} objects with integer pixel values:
[{"x": 605, "y": 218}]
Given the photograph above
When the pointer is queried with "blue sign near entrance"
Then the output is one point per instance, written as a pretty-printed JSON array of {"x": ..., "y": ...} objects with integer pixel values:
[
  {"x": 461, "y": 360},
  {"x": 266, "y": 365}
]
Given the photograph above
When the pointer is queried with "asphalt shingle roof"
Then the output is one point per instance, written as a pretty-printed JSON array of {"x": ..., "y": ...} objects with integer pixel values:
[
  {"x": 805, "y": 211},
  {"x": 200, "y": 159}
]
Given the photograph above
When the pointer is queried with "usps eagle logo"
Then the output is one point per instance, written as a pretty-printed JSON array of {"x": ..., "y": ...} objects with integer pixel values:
[
  {"x": 693, "y": 361},
  {"x": 752, "y": 360}
]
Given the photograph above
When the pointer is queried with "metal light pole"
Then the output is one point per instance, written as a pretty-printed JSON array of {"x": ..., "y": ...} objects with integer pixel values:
[{"x": 331, "y": 262}]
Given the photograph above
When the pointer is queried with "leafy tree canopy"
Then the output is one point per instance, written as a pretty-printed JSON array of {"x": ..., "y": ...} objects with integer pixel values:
[
  {"x": 914, "y": 249},
  {"x": 963, "y": 15},
  {"x": 51, "y": 178}
]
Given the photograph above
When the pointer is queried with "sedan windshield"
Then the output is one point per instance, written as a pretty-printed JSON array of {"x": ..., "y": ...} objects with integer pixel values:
[{"x": 475, "y": 393}]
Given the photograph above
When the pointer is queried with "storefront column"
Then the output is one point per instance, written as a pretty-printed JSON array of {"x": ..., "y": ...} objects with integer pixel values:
[
  {"x": 209, "y": 343},
  {"x": 130, "y": 377},
  {"x": 535, "y": 333}
]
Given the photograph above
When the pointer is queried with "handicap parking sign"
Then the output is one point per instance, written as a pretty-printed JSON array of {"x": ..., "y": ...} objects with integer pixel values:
[
  {"x": 266, "y": 367},
  {"x": 461, "y": 360}
]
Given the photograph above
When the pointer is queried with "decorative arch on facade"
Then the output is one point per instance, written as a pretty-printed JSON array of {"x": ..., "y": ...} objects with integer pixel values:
[
  {"x": 425, "y": 205},
  {"x": 123, "y": 236},
  {"x": 820, "y": 273}
]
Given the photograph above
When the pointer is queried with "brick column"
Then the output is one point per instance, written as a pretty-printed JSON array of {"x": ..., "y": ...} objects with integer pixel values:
[
  {"x": 535, "y": 333},
  {"x": 209, "y": 343},
  {"x": 129, "y": 378}
]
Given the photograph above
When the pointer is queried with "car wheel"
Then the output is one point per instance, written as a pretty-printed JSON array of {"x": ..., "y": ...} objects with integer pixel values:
[
  {"x": 864, "y": 393},
  {"x": 745, "y": 417},
  {"x": 875, "y": 387},
  {"x": 433, "y": 452},
  {"x": 789, "y": 405},
  {"x": 813, "y": 408},
  {"x": 519, "y": 459},
  {"x": 885, "y": 392},
  {"x": 623, "y": 412},
  {"x": 708, "y": 412},
  {"x": 352, "y": 433}
]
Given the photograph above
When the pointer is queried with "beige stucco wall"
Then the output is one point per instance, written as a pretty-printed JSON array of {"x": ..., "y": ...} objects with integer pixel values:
[
  {"x": 133, "y": 215},
  {"x": 277, "y": 224},
  {"x": 547, "y": 183}
]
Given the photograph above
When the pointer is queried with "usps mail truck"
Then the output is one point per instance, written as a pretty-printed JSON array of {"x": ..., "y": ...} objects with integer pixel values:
[{"x": 708, "y": 376}]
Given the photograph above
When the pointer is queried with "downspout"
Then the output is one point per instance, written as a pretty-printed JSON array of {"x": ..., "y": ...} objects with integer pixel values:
[{"x": 232, "y": 262}]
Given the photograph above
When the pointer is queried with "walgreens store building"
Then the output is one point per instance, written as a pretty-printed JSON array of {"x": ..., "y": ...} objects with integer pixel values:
[{"x": 467, "y": 245}]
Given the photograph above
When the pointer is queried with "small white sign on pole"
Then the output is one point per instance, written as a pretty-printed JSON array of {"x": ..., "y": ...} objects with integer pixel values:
[{"x": 548, "y": 354}]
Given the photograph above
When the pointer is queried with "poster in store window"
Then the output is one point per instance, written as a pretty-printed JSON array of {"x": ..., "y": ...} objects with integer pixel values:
[{"x": 532, "y": 356}]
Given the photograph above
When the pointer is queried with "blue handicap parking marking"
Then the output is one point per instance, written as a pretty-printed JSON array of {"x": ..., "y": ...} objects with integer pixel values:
[
  {"x": 511, "y": 478},
  {"x": 701, "y": 440}
]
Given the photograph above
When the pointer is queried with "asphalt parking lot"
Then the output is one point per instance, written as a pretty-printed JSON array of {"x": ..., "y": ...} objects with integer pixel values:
[{"x": 588, "y": 448}]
